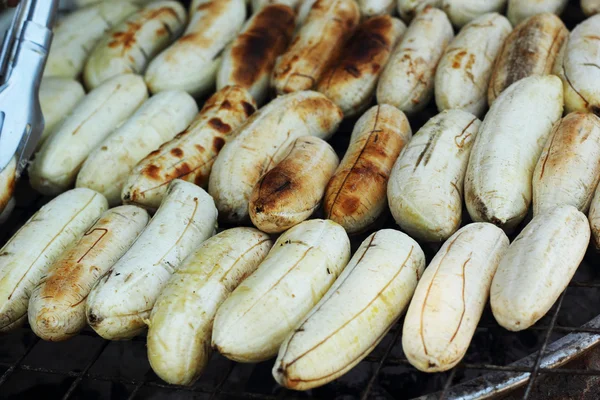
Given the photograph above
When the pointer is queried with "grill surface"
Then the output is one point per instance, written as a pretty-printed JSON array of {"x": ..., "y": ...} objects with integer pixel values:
[{"x": 497, "y": 360}]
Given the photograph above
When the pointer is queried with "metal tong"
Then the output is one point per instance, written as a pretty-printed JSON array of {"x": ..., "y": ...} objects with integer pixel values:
[{"x": 22, "y": 61}]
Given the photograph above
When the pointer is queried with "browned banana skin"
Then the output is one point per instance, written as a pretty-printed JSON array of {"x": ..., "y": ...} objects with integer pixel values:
[
  {"x": 290, "y": 192},
  {"x": 251, "y": 58},
  {"x": 357, "y": 194},
  {"x": 531, "y": 49},
  {"x": 191, "y": 154},
  {"x": 351, "y": 82},
  {"x": 316, "y": 46}
]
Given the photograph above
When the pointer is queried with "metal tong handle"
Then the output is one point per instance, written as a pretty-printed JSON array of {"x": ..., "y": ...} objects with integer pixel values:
[{"x": 22, "y": 60}]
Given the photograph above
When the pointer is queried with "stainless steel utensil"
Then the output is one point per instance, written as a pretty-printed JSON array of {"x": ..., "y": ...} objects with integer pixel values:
[{"x": 22, "y": 61}]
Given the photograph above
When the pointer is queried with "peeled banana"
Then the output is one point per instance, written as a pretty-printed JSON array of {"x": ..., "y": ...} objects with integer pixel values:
[
  {"x": 181, "y": 322},
  {"x": 157, "y": 121},
  {"x": 303, "y": 263},
  {"x": 354, "y": 315},
  {"x": 507, "y": 148},
  {"x": 121, "y": 301},
  {"x": 26, "y": 257}
]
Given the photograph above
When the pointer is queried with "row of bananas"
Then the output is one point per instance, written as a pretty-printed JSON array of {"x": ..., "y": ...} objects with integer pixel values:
[{"x": 499, "y": 144}]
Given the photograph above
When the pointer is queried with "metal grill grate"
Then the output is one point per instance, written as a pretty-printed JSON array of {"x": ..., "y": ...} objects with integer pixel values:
[{"x": 218, "y": 390}]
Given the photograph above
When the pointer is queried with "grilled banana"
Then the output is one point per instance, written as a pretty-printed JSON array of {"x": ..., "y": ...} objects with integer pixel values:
[
  {"x": 531, "y": 49},
  {"x": 578, "y": 67},
  {"x": 7, "y": 211},
  {"x": 181, "y": 322},
  {"x": 58, "y": 97},
  {"x": 32, "y": 250},
  {"x": 93, "y": 119},
  {"x": 8, "y": 180},
  {"x": 354, "y": 315},
  {"x": 594, "y": 218},
  {"x": 507, "y": 148},
  {"x": 191, "y": 154},
  {"x": 450, "y": 298},
  {"x": 425, "y": 191},
  {"x": 316, "y": 46},
  {"x": 538, "y": 266},
  {"x": 258, "y": 5},
  {"x": 372, "y": 8},
  {"x": 261, "y": 143},
  {"x": 129, "y": 47},
  {"x": 352, "y": 80},
  {"x": 590, "y": 7},
  {"x": 76, "y": 35},
  {"x": 408, "y": 9},
  {"x": 520, "y": 10},
  {"x": 57, "y": 305},
  {"x": 356, "y": 195},
  {"x": 464, "y": 72},
  {"x": 249, "y": 61},
  {"x": 85, "y": 3},
  {"x": 461, "y": 12},
  {"x": 122, "y": 299},
  {"x": 303, "y": 11},
  {"x": 569, "y": 169},
  {"x": 191, "y": 63},
  {"x": 304, "y": 262},
  {"x": 292, "y": 190},
  {"x": 157, "y": 121},
  {"x": 407, "y": 79}
]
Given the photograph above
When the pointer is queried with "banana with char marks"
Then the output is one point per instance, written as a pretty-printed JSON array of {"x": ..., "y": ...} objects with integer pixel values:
[
  {"x": 192, "y": 153},
  {"x": 531, "y": 49},
  {"x": 76, "y": 35},
  {"x": 356, "y": 195},
  {"x": 131, "y": 45},
  {"x": 352, "y": 80},
  {"x": 463, "y": 74},
  {"x": 57, "y": 305},
  {"x": 292, "y": 190},
  {"x": 568, "y": 170},
  {"x": 191, "y": 63},
  {"x": 408, "y": 9},
  {"x": 26, "y": 257},
  {"x": 261, "y": 143},
  {"x": 578, "y": 65},
  {"x": 316, "y": 46},
  {"x": 249, "y": 60}
]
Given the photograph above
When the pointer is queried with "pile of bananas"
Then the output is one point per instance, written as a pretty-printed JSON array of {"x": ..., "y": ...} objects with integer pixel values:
[{"x": 519, "y": 100}]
